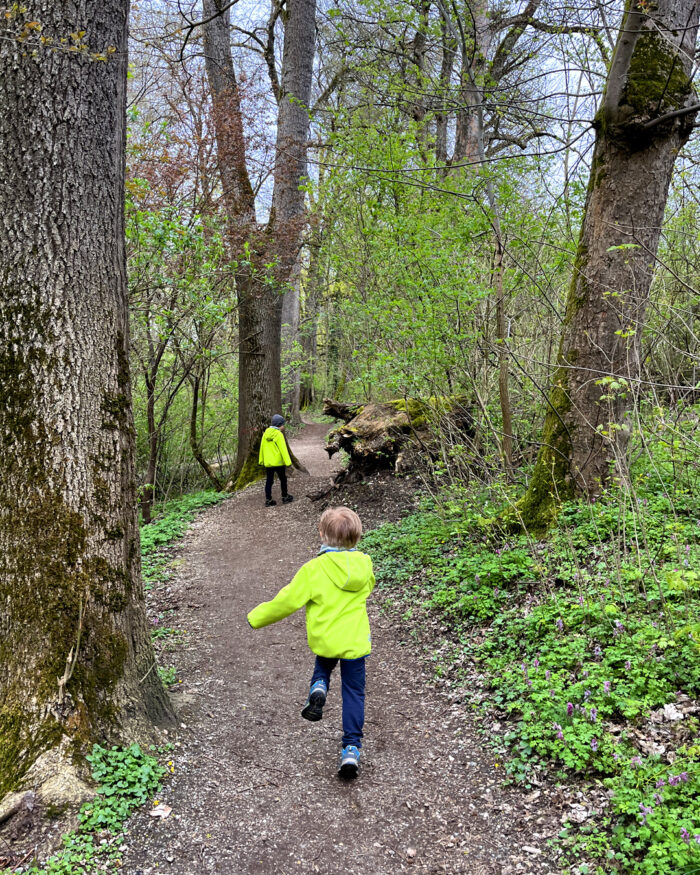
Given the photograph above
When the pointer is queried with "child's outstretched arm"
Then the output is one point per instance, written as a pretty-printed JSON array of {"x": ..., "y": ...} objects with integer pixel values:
[{"x": 288, "y": 600}]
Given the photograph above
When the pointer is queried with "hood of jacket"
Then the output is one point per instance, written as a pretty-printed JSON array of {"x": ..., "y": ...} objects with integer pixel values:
[{"x": 347, "y": 569}]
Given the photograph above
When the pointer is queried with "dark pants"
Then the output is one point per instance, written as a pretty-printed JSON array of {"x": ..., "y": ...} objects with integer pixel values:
[
  {"x": 282, "y": 474},
  {"x": 352, "y": 679}
]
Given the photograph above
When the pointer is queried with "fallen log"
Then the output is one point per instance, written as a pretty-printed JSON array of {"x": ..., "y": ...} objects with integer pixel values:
[
  {"x": 340, "y": 410},
  {"x": 397, "y": 435}
]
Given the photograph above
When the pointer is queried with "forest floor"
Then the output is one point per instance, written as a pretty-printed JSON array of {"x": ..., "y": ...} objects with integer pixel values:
[{"x": 254, "y": 787}]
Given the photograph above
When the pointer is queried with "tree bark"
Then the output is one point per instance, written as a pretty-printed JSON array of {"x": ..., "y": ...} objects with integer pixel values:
[
  {"x": 645, "y": 117},
  {"x": 75, "y": 655}
]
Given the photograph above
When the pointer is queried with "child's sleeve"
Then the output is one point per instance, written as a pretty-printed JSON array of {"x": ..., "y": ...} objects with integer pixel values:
[
  {"x": 288, "y": 600},
  {"x": 282, "y": 444}
]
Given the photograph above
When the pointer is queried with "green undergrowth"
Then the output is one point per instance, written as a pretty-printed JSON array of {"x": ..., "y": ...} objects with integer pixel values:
[
  {"x": 127, "y": 778},
  {"x": 170, "y": 523},
  {"x": 583, "y": 638}
]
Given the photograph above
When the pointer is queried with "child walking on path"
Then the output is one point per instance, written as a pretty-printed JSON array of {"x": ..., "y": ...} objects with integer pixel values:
[
  {"x": 334, "y": 588},
  {"x": 274, "y": 456}
]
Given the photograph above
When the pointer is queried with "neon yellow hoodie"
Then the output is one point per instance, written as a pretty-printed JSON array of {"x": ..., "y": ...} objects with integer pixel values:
[
  {"x": 273, "y": 449},
  {"x": 334, "y": 588}
]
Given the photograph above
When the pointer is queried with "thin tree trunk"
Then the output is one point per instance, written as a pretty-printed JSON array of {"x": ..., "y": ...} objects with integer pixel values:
[
  {"x": 646, "y": 115},
  {"x": 76, "y": 663},
  {"x": 195, "y": 445},
  {"x": 503, "y": 370},
  {"x": 291, "y": 346},
  {"x": 148, "y": 490}
]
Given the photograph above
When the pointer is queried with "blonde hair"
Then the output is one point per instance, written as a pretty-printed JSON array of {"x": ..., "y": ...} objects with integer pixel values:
[{"x": 340, "y": 527}]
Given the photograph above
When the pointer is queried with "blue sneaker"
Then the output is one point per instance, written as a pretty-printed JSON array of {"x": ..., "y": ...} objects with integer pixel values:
[
  {"x": 313, "y": 710},
  {"x": 349, "y": 762}
]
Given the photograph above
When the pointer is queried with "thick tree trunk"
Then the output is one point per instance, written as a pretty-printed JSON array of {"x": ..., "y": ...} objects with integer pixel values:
[
  {"x": 449, "y": 48},
  {"x": 75, "y": 656},
  {"x": 646, "y": 115},
  {"x": 259, "y": 300},
  {"x": 228, "y": 122},
  {"x": 474, "y": 53}
]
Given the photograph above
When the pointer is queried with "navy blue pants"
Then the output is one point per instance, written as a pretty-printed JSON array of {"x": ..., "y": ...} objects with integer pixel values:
[
  {"x": 282, "y": 474},
  {"x": 352, "y": 680}
]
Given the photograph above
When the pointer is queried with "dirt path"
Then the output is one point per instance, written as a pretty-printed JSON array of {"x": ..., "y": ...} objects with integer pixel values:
[{"x": 254, "y": 788}]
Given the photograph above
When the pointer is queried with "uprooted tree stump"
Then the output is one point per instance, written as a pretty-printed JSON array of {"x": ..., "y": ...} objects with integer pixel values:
[{"x": 395, "y": 435}]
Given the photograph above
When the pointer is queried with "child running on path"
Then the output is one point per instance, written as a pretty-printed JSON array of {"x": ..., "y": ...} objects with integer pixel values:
[
  {"x": 274, "y": 456},
  {"x": 334, "y": 588}
]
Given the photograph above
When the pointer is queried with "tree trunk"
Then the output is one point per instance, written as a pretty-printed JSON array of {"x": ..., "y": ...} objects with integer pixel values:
[
  {"x": 646, "y": 115},
  {"x": 442, "y": 116},
  {"x": 148, "y": 490},
  {"x": 474, "y": 53},
  {"x": 228, "y": 122},
  {"x": 260, "y": 295},
  {"x": 75, "y": 655},
  {"x": 195, "y": 445},
  {"x": 291, "y": 346}
]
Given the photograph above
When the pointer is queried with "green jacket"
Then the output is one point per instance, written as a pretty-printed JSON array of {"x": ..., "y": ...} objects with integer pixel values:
[
  {"x": 273, "y": 449},
  {"x": 334, "y": 588}
]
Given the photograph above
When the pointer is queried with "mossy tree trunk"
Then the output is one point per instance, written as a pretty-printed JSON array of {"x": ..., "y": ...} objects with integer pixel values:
[
  {"x": 646, "y": 115},
  {"x": 75, "y": 655},
  {"x": 266, "y": 255}
]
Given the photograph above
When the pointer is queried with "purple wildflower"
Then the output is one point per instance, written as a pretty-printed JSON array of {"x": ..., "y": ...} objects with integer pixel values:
[
  {"x": 598, "y": 652},
  {"x": 658, "y": 798},
  {"x": 674, "y": 780},
  {"x": 619, "y": 628},
  {"x": 536, "y": 662},
  {"x": 646, "y": 810},
  {"x": 569, "y": 709},
  {"x": 606, "y": 686},
  {"x": 594, "y": 715},
  {"x": 594, "y": 744},
  {"x": 587, "y": 695},
  {"x": 586, "y": 673},
  {"x": 548, "y": 674},
  {"x": 628, "y": 664},
  {"x": 685, "y": 835},
  {"x": 660, "y": 783},
  {"x": 560, "y": 624},
  {"x": 683, "y": 776},
  {"x": 581, "y": 600},
  {"x": 635, "y": 761},
  {"x": 552, "y": 694},
  {"x": 560, "y": 734}
]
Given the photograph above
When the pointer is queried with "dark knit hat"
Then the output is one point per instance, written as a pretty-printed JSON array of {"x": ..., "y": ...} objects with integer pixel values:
[{"x": 277, "y": 420}]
